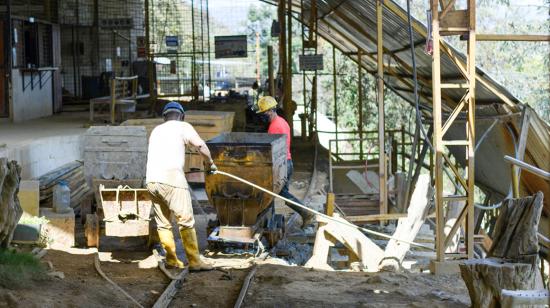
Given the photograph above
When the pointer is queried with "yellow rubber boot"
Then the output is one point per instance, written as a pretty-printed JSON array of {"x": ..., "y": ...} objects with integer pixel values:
[
  {"x": 167, "y": 241},
  {"x": 191, "y": 246}
]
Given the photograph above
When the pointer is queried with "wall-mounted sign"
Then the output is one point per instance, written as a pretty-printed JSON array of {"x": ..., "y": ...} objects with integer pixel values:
[
  {"x": 116, "y": 23},
  {"x": 141, "y": 47},
  {"x": 172, "y": 41},
  {"x": 234, "y": 46},
  {"x": 311, "y": 62}
]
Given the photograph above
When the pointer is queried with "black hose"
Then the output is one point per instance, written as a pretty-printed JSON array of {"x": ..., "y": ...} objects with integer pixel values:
[{"x": 415, "y": 79}]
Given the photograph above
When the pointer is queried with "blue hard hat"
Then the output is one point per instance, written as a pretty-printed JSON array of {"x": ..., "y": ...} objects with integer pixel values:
[{"x": 172, "y": 106}]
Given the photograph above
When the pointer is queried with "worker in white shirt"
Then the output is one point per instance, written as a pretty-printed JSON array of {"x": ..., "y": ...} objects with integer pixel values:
[{"x": 168, "y": 187}]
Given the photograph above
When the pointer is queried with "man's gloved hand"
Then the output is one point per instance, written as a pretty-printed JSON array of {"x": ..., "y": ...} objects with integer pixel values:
[{"x": 212, "y": 168}]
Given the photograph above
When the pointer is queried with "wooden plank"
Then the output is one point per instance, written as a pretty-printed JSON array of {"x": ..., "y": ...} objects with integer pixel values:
[
  {"x": 359, "y": 246},
  {"x": 408, "y": 227},
  {"x": 446, "y": 8},
  {"x": 513, "y": 37},
  {"x": 421, "y": 29},
  {"x": 382, "y": 172},
  {"x": 380, "y": 217},
  {"x": 438, "y": 136},
  {"x": 330, "y": 204},
  {"x": 454, "y": 19},
  {"x": 470, "y": 131}
]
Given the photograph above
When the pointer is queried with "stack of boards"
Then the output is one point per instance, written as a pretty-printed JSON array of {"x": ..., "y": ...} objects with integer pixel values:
[{"x": 73, "y": 174}]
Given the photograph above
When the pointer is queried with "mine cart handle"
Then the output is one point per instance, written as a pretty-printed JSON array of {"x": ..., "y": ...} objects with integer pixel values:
[{"x": 113, "y": 142}]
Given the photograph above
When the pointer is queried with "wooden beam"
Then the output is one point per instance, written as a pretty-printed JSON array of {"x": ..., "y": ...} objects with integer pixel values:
[
  {"x": 470, "y": 130},
  {"x": 421, "y": 29},
  {"x": 522, "y": 140},
  {"x": 438, "y": 136},
  {"x": 382, "y": 172},
  {"x": 408, "y": 227},
  {"x": 287, "y": 103},
  {"x": 513, "y": 37},
  {"x": 449, "y": 6}
]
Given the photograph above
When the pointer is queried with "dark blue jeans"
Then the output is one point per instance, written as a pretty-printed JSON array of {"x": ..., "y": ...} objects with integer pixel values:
[{"x": 285, "y": 192}]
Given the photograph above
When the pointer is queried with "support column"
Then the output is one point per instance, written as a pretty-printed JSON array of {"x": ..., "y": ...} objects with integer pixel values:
[
  {"x": 287, "y": 104},
  {"x": 360, "y": 94},
  {"x": 150, "y": 65},
  {"x": 282, "y": 48},
  {"x": 335, "y": 91},
  {"x": 382, "y": 172},
  {"x": 437, "y": 140},
  {"x": 462, "y": 23},
  {"x": 471, "y": 131}
]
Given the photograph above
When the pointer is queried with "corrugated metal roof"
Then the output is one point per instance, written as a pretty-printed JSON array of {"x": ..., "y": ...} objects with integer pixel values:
[{"x": 351, "y": 26}]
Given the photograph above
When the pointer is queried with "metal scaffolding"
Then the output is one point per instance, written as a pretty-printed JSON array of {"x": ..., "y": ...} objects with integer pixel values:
[{"x": 179, "y": 45}]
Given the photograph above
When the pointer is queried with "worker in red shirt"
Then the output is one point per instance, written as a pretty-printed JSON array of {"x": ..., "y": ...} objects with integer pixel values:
[{"x": 278, "y": 125}]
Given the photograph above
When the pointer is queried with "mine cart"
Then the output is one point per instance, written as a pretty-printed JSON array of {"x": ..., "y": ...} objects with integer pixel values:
[
  {"x": 123, "y": 212},
  {"x": 245, "y": 213}
]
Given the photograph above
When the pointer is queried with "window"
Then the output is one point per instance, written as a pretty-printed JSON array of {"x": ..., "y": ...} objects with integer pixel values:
[{"x": 32, "y": 44}]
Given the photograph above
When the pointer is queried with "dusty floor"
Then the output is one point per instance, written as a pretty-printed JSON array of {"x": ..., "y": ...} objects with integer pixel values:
[{"x": 272, "y": 286}]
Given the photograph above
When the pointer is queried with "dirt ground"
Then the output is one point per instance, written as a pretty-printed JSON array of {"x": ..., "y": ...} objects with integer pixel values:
[{"x": 272, "y": 286}]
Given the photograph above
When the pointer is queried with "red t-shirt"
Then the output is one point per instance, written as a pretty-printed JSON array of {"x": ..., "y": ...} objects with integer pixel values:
[{"x": 280, "y": 126}]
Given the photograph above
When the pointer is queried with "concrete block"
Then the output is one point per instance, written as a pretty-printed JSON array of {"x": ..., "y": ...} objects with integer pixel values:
[
  {"x": 29, "y": 197},
  {"x": 60, "y": 229}
]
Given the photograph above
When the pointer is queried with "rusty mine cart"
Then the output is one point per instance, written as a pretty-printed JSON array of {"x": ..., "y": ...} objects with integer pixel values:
[{"x": 245, "y": 214}]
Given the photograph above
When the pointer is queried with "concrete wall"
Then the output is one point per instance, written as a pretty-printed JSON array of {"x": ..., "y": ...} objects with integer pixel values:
[
  {"x": 33, "y": 102},
  {"x": 45, "y": 154}
]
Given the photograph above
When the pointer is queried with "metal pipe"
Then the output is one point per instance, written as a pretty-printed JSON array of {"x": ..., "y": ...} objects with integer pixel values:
[
  {"x": 194, "y": 90},
  {"x": 334, "y": 88},
  {"x": 525, "y": 166},
  {"x": 270, "y": 70},
  {"x": 344, "y": 222},
  {"x": 360, "y": 95},
  {"x": 208, "y": 47},
  {"x": 289, "y": 112}
]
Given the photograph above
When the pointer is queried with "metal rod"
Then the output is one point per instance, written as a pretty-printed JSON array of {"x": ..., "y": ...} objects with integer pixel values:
[
  {"x": 194, "y": 90},
  {"x": 246, "y": 285},
  {"x": 288, "y": 87},
  {"x": 525, "y": 166},
  {"x": 208, "y": 48},
  {"x": 360, "y": 95},
  {"x": 334, "y": 88},
  {"x": 346, "y": 223}
]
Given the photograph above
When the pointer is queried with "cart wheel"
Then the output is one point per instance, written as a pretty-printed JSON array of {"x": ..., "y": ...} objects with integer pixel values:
[{"x": 91, "y": 230}]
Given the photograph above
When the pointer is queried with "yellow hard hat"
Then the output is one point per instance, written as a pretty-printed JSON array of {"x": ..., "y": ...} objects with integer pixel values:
[{"x": 266, "y": 103}]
